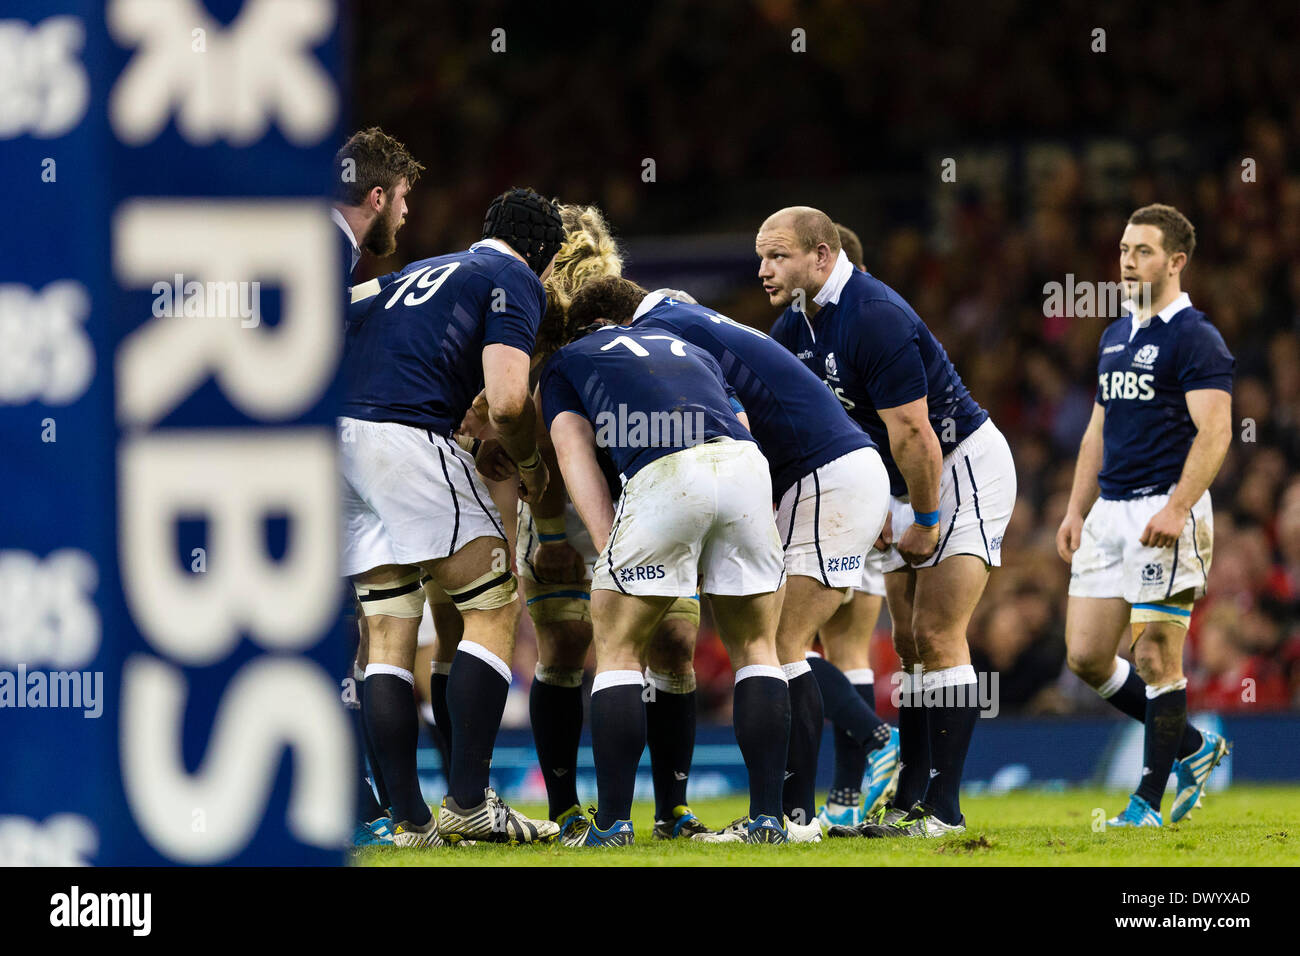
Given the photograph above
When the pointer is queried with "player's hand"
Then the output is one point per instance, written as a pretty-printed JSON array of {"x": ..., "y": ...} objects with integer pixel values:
[
  {"x": 492, "y": 461},
  {"x": 1165, "y": 527},
  {"x": 532, "y": 482},
  {"x": 558, "y": 562},
  {"x": 1068, "y": 536},
  {"x": 886, "y": 537},
  {"x": 918, "y": 542},
  {"x": 476, "y": 423}
]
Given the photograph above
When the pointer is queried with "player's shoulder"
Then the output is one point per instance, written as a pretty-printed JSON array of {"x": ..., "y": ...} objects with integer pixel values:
[
  {"x": 1194, "y": 328},
  {"x": 880, "y": 310}
]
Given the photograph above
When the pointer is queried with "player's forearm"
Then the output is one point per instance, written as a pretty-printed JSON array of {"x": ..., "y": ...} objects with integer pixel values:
[
  {"x": 551, "y": 505},
  {"x": 515, "y": 428},
  {"x": 1204, "y": 459},
  {"x": 919, "y": 456},
  {"x": 591, "y": 499},
  {"x": 1085, "y": 488}
]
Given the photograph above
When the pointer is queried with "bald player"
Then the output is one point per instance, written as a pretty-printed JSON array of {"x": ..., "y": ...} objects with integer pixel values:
[{"x": 953, "y": 484}]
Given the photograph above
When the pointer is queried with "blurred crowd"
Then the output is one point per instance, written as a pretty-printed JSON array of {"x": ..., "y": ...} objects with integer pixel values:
[{"x": 1054, "y": 140}]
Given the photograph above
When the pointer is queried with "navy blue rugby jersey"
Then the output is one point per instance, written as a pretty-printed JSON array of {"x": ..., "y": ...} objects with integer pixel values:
[
  {"x": 798, "y": 423},
  {"x": 874, "y": 352},
  {"x": 413, "y": 352},
  {"x": 646, "y": 393},
  {"x": 1142, "y": 375}
]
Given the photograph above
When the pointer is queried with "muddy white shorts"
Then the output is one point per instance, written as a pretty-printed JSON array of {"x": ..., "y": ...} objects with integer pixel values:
[
  {"x": 409, "y": 495},
  {"x": 702, "y": 514},
  {"x": 1112, "y": 562}
]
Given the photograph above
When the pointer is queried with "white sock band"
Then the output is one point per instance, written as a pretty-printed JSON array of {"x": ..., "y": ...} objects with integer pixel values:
[
  {"x": 671, "y": 683},
  {"x": 808, "y": 654},
  {"x": 797, "y": 669},
  {"x": 760, "y": 670},
  {"x": 426, "y": 711},
  {"x": 948, "y": 677},
  {"x": 558, "y": 676},
  {"x": 1154, "y": 692},
  {"x": 863, "y": 675},
  {"x": 440, "y": 667},
  {"x": 474, "y": 649},
  {"x": 616, "y": 679},
  {"x": 401, "y": 672},
  {"x": 1117, "y": 678}
]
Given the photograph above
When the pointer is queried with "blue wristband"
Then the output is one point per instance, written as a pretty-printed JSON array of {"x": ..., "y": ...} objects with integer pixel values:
[
  {"x": 550, "y": 538},
  {"x": 926, "y": 519}
]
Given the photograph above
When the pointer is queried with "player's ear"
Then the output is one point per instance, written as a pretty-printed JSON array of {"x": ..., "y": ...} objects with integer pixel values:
[{"x": 376, "y": 198}]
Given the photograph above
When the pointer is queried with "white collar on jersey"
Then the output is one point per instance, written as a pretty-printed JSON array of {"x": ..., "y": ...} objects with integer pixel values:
[
  {"x": 659, "y": 295},
  {"x": 347, "y": 231},
  {"x": 496, "y": 245},
  {"x": 834, "y": 285},
  {"x": 1184, "y": 301},
  {"x": 649, "y": 302}
]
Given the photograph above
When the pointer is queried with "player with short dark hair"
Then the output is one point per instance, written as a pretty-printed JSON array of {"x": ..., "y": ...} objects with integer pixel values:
[
  {"x": 1160, "y": 428},
  {"x": 421, "y": 344},
  {"x": 953, "y": 484},
  {"x": 373, "y": 175},
  {"x": 695, "y": 507}
]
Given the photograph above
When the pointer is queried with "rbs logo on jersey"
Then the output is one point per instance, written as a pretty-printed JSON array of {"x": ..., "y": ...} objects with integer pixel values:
[{"x": 1129, "y": 385}]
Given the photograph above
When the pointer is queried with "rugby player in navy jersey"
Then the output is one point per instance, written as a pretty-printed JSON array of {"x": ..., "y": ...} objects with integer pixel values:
[
  {"x": 555, "y": 558},
  {"x": 953, "y": 483},
  {"x": 695, "y": 508},
  {"x": 827, "y": 480},
  {"x": 375, "y": 174},
  {"x": 419, "y": 348},
  {"x": 846, "y": 642},
  {"x": 1160, "y": 428}
]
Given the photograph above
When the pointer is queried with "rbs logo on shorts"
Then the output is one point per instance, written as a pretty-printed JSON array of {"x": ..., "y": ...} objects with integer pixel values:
[
  {"x": 850, "y": 562},
  {"x": 645, "y": 572}
]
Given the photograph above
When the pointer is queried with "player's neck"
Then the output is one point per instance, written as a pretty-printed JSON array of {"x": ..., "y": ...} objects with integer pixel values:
[
  {"x": 357, "y": 220},
  {"x": 811, "y": 305}
]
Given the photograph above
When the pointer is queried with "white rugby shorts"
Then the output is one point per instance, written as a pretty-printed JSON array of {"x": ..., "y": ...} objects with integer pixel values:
[
  {"x": 1112, "y": 562},
  {"x": 700, "y": 515},
  {"x": 830, "y": 518},
  {"x": 409, "y": 496},
  {"x": 977, "y": 490}
]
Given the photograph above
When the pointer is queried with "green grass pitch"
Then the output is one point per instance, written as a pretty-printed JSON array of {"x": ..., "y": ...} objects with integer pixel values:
[{"x": 1243, "y": 826}]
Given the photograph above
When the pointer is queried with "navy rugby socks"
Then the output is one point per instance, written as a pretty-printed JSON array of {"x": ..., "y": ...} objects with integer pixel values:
[
  {"x": 555, "y": 711},
  {"x": 476, "y": 697},
  {"x": 617, "y": 739},
  {"x": 391, "y": 717},
  {"x": 761, "y": 717}
]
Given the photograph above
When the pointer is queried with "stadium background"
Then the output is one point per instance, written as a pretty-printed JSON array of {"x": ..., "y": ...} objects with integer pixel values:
[{"x": 1054, "y": 140}]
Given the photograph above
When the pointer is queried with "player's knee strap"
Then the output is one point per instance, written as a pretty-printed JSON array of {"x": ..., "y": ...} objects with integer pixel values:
[
  {"x": 684, "y": 609},
  {"x": 400, "y": 596},
  {"x": 551, "y": 604},
  {"x": 1177, "y": 613},
  {"x": 493, "y": 590}
]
